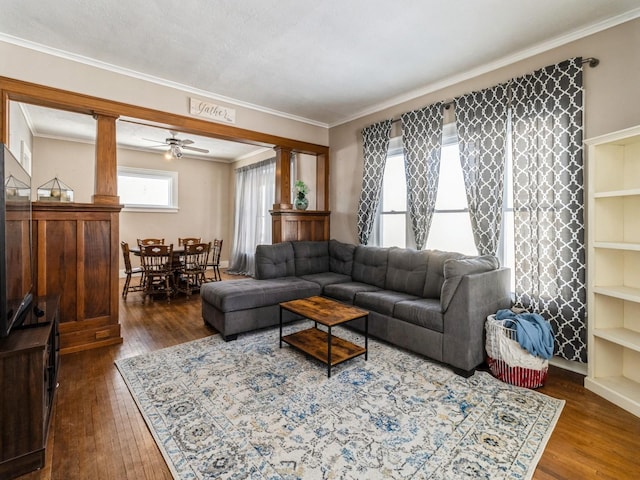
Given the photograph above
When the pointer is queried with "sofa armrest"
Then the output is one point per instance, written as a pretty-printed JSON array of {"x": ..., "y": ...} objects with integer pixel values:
[{"x": 477, "y": 296}]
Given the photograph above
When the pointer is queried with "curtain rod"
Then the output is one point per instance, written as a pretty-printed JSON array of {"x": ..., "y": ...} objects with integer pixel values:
[{"x": 592, "y": 61}]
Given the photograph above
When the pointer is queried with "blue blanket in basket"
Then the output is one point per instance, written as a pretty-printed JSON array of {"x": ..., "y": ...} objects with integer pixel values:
[{"x": 533, "y": 332}]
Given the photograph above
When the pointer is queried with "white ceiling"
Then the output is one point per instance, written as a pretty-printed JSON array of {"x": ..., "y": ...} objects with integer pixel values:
[{"x": 325, "y": 62}]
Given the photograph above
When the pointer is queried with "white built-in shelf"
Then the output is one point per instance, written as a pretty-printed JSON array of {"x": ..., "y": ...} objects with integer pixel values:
[
  {"x": 618, "y": 245},
  {"x": 619, "y": 291},
  {"x": 613, "y": 204},
  {"x": 617, "y": 193},
  {"x": 620, "y": 336},
  {"x": 619, "y": 390}
]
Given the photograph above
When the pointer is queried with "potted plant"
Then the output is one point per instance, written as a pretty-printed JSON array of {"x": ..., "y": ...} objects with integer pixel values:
[{"x": 301, "y": 202}]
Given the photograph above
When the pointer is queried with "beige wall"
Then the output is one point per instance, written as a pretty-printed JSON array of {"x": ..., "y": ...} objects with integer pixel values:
[
  {"x": 203, "y": 200},
  {"x": 203, "y": 190},
  {"x": 72, "y": 162},
  {"x": 32, "y": 66},
  {"x": 612, "y": 102}
]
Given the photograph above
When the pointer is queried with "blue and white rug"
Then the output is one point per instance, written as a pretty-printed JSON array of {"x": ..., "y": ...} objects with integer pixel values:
[{"x": 248, "y": 409}]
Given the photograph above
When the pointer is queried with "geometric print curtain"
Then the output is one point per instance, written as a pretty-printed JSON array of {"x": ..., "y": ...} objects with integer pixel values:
[
  {"x": 422, "y": 141},
  {"x": 548, "y": 201},
  {"x": 375, "y": 147},
  {"x": 481, "y": 121}
]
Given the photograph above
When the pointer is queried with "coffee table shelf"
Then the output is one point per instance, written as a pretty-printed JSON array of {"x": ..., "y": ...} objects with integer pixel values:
[
  {"x": 317, "y": 343},
  {"x": 313, "y": 342}
]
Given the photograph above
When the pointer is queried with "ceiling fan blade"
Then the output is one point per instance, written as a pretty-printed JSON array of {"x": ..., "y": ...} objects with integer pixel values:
[
  {"x": 195, "y": 149},
  {"x": 186, "y": 141},
  {"x": 155, "y": 141}
]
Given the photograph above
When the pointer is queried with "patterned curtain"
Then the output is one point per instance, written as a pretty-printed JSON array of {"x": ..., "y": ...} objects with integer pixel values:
[
  {"x": 548, "y": 201},
  {"x": 481, "y": 121},
  {"x": 422, "y": 140},
  {"x": 375, "y": 145}
]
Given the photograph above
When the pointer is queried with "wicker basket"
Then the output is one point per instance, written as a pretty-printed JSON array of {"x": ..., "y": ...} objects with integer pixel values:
[{"x": 508, "y": 361}]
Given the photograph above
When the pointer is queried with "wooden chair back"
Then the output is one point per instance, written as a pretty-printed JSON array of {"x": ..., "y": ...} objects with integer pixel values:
[
  {"x": 126, "y": 254},
  {"x": 216, "y": 250},
  {"x": 196, "y": 256},
  {"x": 188, "y": 241},
  {"x": 156, "y": 258},
  {"x": 157, "y": 264},
  {"x": 130, "y": 271},
  {"x": 150, "y": 241}
]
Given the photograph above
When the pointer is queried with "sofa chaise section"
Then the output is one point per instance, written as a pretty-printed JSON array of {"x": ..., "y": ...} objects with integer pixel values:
[{"x": 238, "y": 306}]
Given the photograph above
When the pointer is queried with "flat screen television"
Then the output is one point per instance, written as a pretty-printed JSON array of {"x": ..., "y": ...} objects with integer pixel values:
[{"x": 16, "y": 261}]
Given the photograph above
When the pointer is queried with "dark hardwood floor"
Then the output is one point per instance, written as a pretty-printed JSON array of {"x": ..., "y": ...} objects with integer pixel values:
[{"x": 97, "y": 431}]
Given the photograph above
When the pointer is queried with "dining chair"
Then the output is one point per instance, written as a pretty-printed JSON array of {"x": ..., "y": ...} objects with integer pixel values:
[
  {"x": 216, "y": 250},
  {"x": 194, "y": 266},
  {"x": 157, "y": 263},
  {"x": 188, "y": 241},
  {"x": 150, "y": 241},
  {"x": 130, "y": 271}
]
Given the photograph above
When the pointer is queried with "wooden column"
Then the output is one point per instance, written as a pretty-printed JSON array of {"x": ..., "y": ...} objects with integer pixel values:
[
  {"x": 106, "y": 184},
  {"x": 4, "y": 117},
  {"x": 283, "y": 179},
  {"x": 322, "y": 181}
]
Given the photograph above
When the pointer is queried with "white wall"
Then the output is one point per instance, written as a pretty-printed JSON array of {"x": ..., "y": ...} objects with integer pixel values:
[{"x": 612, "y": 102}]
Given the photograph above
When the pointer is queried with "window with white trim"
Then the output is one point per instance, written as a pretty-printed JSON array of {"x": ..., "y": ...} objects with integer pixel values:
[
  {"x": 142, "y": 189},
  {"x": 451, "y": 223},
  {"x": 392, "y": 226}
]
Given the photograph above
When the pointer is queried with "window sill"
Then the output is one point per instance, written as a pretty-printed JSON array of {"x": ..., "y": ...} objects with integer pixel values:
[{"x": 151, "y": 209}]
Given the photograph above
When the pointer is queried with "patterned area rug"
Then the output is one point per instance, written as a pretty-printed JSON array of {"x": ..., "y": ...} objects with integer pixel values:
[{"x": 248, "y": 409}]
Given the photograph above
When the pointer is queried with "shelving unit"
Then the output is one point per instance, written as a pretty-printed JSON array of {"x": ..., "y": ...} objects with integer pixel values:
[
  {"x": 613, "y": 206},
  {"x": 29, "y": 361}
]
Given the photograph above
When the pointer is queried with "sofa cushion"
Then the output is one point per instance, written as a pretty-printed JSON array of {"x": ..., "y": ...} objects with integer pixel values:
[
  {"x": 435, "y": 272},
  {"x": 274, "y": 261},
  {"x": 311, "y": 257},
  {"x": 234, "y": 295},
  {"x": 406, "y": 271},
  {"x": 370, "y": 265},
  {"x": 425, "y": 312},
  {"x": 455, "y": 269},
  {"x": 381, "y": 301},
  {"x": 327, "y": 278},
  {"x": 341, "y": 257},
  {"x": 346, "y": 292}
]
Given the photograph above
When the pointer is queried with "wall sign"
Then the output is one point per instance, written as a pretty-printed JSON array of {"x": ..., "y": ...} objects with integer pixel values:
[{"x": 212, "y": 111}]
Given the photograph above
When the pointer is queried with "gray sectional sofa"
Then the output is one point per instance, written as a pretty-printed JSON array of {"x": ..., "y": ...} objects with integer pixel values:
[{"x": 430, "y": 302}]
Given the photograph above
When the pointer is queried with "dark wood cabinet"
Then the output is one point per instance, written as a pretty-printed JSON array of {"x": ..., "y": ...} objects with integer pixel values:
[
  {"x": 292, "y": 225},
  {"x": 29, "y": 360},
  {"x": 77, "y": 253}
]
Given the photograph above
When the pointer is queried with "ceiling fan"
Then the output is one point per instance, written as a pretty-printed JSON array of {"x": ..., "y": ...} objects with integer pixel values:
[{"x": 176, "y": 146}]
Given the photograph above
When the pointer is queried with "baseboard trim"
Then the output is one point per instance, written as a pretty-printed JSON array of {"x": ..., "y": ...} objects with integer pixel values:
[{"x": 570, "y": 365}]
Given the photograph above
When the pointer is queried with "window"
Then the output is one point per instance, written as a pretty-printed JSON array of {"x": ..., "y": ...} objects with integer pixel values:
[
  {"x": 451, "y": 223},
  {"x": 148, "y": 190},
  {"x": 390, "y": 227}
]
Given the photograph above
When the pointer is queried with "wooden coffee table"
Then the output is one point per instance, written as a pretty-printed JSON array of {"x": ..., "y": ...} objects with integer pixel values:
[{"x": 322, "y": 345}]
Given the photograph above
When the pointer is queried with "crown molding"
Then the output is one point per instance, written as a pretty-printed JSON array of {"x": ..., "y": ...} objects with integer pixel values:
[
  {"x": 489, "y": 67},
  {"x": 38, "y": 47}
]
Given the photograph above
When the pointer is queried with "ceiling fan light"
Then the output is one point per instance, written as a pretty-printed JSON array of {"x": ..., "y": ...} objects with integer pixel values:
[{"x": 168, "y": 155}]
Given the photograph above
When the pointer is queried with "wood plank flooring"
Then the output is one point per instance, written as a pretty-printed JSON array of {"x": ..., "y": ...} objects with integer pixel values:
[{"x": 97, "y": 431}]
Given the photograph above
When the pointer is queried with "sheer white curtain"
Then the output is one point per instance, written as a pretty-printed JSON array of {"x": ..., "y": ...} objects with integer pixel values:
[{"x": 255, "y": 194}]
